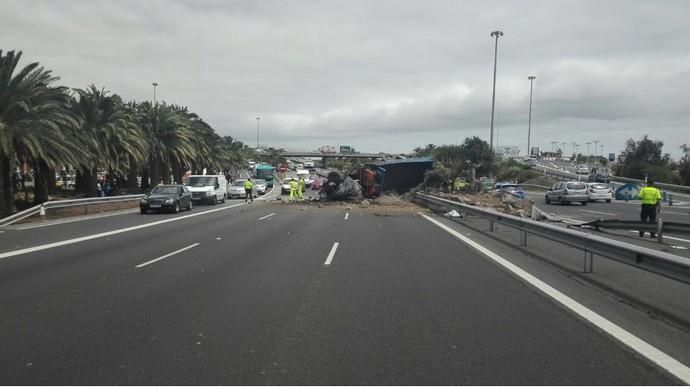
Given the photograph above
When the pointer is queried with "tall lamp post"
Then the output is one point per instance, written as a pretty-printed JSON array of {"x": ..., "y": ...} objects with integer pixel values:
[
  {"x": 595, "y": 146},
  {"x": 529, "y": 120},
  {"x": 494, "y": 34},
  {"x": 257, "y": 132},
  {"x": 155, "y": 84}
]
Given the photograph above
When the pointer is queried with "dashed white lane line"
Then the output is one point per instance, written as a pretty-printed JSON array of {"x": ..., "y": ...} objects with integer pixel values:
[
  {"x": 599, "y": 212},
  {"x": 673, "y": 366},
  {"x": 331, "y": 254},
  {"x": 674, "y": 213},
  {"x": 166, "y": 256},
  {"x": 347, "y": 215},
  {"x": 267, "y": 216},
  {"x": 108, "y": 233}
]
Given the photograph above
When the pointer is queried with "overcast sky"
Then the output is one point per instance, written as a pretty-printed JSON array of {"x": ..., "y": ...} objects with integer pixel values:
[{"x": 380, "y": 75}]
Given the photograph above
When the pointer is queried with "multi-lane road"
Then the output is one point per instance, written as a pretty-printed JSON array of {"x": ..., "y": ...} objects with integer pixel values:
[{"x": 274, "y": 293}]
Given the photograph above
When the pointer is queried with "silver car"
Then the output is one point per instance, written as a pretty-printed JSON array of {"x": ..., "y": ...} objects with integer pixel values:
[
  {"x": 260, "y": 186},
  {"x": 567, "y": 192},
  {"x": 236, "y": 189},
  {"x": 599, "y": 191}
]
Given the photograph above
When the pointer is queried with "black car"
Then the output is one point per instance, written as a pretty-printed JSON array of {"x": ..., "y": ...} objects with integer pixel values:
[{"x": 171, "y": 197}]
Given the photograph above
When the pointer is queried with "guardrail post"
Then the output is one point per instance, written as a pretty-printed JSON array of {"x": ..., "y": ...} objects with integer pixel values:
[
  {"x": 660, "y": 231},
  {"x": 670, "y": 199},
  {"x": 491, "y": 225},
  {"x": 588, "y": 262},
  {"x": 664, "y": 196},
  {"x": 523, "y": 238}
]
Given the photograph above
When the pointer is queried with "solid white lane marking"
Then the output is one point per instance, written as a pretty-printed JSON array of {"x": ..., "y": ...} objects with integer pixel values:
[
  {"x": 673, "y": 366},
  {"x": 108, "y": 233},
  {"x": 347, "y": 215},
  {"x": 267, "y": 216},
  {"x": 166, "y": 256},
  {"x": 666, "y": 237},
  {"x": 331, "y": 254},
  {"x": 599, "y": 212}
]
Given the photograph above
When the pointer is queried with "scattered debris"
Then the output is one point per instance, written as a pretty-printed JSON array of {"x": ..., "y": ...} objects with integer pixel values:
[{"x": 454, "y": 214}]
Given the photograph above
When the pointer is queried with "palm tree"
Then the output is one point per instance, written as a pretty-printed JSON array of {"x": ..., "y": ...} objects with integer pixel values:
[
  {"x": 114, "y": 140},
  {"x": 33, "y": 122}
]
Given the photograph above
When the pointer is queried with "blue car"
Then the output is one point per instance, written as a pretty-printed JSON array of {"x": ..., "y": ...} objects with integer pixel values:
[{"x": 511, "y": 189}]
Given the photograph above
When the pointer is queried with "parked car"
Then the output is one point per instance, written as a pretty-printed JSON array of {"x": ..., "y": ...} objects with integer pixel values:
[
  {"x": 208, "y": 188},
  {"x": 285, "y": 186},
  {"x": 582, "y": 170},
  {"x": 317, "y": 183},
  {"x": 236, "y": 189},
  {"x": 567, "y": 192},
  {"x": 260, "y": 186},
  {"x": 510, "y": 188},
  {"x": 171, "y": 197},
  {"x": 599, "y": 191}
]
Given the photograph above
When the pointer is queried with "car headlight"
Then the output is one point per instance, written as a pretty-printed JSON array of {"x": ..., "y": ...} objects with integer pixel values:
[
  {"x": 144, "y": 201},
  {"x": 169, "y": 201}
]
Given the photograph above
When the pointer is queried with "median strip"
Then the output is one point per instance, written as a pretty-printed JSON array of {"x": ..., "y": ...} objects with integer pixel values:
[{"x": 166, "y": 256}]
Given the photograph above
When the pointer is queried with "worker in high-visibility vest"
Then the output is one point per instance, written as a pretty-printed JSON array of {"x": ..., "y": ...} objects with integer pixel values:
[
  {"x": 248, "y": 189},
  {"x": 293, "y": 189},
  {"x": 300, "y": 188},
  {"x": 650, "y": 197}
]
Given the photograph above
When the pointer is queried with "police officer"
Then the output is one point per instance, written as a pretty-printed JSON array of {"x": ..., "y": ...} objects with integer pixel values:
[
  {"x": 293, "y": 189},
  {"x": 650, "y": 197},
  {"x": 248, "y": 188},
  {"x": 300, "y": 188}
]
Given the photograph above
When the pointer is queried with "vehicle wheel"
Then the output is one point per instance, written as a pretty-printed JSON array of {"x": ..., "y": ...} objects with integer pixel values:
[
  {"x": 584, "y": 203},
  {"x": 143, "y": 211},
  {"x": 608, "y": 200},
  {"x": 224, "y": 197},
  {"x": 546, "y": 200},
  {"x": 189, "y": 207},
  {"x": 177, "y": 207},
  {"x": 215, "y": 200}
]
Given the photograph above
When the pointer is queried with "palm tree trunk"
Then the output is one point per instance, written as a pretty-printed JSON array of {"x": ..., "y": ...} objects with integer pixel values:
[
  {"x": 41, "y": 170},
  {"x": 6, "y": 187},
  {"x": 132, "y": 174}
]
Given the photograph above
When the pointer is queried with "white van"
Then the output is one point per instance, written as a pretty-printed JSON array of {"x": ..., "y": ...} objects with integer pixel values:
[
  {"x": 305, "y": 175},
  {"x": 208, "y": 188}
]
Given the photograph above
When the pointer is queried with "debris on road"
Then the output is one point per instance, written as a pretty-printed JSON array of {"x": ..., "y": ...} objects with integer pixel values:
[{"x": 454, "y": 214}]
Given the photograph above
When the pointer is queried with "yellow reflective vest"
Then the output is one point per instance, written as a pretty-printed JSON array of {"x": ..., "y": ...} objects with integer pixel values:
[
  {"x": 649, "y": 195},
  {"x": 248, "y": 185}
]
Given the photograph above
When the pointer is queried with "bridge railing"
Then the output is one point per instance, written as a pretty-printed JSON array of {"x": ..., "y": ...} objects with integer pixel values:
[{"x": 659, "y": 262}]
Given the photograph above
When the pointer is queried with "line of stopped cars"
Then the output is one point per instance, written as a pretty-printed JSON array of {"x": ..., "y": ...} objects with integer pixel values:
[
  {"x": 210, "y": 189},
  {"x": 565, "y": 192}
]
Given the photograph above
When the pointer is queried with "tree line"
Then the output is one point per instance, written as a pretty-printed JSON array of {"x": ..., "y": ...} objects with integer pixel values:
[{"x": 46, "y": 128}]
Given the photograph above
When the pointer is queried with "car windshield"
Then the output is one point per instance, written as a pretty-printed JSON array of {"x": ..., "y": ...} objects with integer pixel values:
[
  {"x": 259, "y": 181},
  {"x": 163, "y": 190},
  {"x": 576, "y": 186},
  {"x": 238, "y": 183},
  {"x": 202, "y": 181},
  {"x": 599, "y": 186}
]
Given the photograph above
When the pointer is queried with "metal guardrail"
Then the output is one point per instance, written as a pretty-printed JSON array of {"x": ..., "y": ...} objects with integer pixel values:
[
  {"x": 40, "y": 209},
  {"x": 660, "y": 227},
  {"x": 659, "y": 262}
]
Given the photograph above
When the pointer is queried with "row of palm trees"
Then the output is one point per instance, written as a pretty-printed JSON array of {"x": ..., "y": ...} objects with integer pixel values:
[{"x": 46, "y": 128}]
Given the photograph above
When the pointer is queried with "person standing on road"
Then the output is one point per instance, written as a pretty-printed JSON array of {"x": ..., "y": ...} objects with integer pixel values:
[
  {"x": 300, "y": 188},
  {"x": 650, "y": 197},
  {"x": 248, "y": 188},
  {"x": 293, "y": 189}
]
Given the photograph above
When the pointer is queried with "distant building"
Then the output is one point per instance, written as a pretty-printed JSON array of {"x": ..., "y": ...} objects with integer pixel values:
[
  {"x": 346, "y": 149},
  {"x": 507, "y": 152}
]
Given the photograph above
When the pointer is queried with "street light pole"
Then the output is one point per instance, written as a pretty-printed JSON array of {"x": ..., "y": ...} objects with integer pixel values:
[
  {"x": 257, "y": 132},
  {"x": 529, "y": 120},
  {"x": 155, "y": 84},
  {"x": 494, "y": 34},
  {"x": 595, "y": 146}
]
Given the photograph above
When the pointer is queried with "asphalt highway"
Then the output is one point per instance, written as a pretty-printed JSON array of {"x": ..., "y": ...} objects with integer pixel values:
[{"x": 271, "y": 293}]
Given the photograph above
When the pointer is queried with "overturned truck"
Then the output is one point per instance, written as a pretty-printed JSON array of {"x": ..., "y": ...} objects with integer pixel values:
[{"x": 375, "y": 178}]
